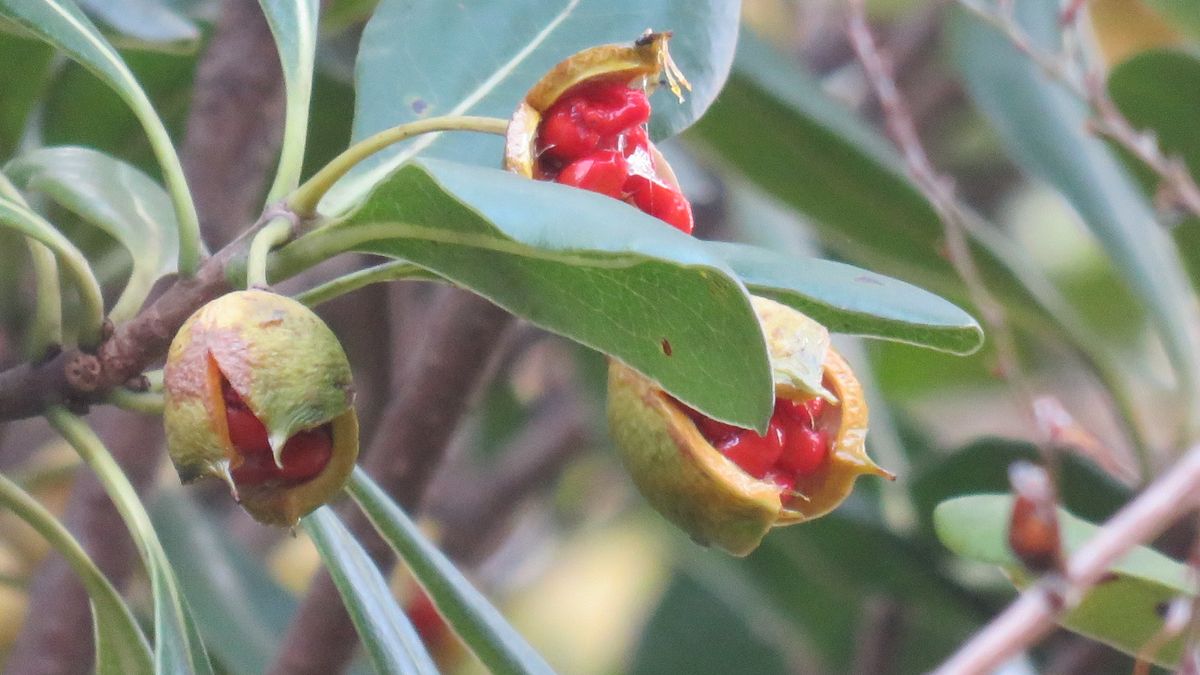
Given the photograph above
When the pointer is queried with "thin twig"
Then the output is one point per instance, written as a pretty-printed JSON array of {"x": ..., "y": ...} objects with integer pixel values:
[
  {"x": 1035, "y": 613},
  {"x": 940, "y": 193},
  {"x": 1108, "y": 121}
]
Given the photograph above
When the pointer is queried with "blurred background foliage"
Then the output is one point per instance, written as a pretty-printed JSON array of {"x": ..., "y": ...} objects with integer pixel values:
[{"x": 790, "y": 156}]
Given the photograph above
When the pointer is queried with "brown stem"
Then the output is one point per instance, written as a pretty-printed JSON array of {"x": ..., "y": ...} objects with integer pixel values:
[
  {"x": 1034, "y": 614},
  {"x": 236, "y": 124},
  {"x": 409, "y": 444},
  {"x": 474, "y": 514}
]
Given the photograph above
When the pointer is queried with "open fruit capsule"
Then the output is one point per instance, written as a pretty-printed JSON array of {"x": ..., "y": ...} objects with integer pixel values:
[
  {"x": 584, "y": 125},
  {"x": 727, "y": 486},
  {"x": 258, "y": 393}
]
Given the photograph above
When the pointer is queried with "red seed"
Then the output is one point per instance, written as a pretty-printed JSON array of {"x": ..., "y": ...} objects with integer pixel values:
[
  {"x": 562, "y": 137},
  {"x": 661, "y": 201},
  {"x": 613, "y": 107},
  {"x": 628, "y": 142},
  {"x": 604, "y": 171},
  {"x": 246, "y": 432},
  {"x": 806, "y": 451},
  {"x": 257, "y": 467},
  {"x": 306, "y": 454},
  {"x": 753, "y": 453}
]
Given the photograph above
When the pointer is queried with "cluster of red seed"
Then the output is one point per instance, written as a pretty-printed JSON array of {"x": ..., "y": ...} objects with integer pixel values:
[
  {"x": 594, "y": 138},
  {"x": 796, "y": 444},
  {"x": 304, "y": 455}
]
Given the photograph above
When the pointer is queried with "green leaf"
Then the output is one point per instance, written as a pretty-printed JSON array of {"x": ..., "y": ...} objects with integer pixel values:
[
  {"x": 1122, "y": 611},
  {"x": 983, "y": 465},
  {"x": 390, "y": 639},
  {"x": 294, "y": 25},
  {"x": 22, "y": 79},
  {"x": 149, "y": 21},
  {"x": 348, "y": 283},
  {"x": 428, "y": 58},
  {"x": 121, "y": 649},
  {"x": 850, "y": 300},
  {"x": 1045, "y": 129},
  {"x": 1153, "y": 89},
  {"x": 118, "y": 199},
  {"x": 1183, "y": 14},
  {"x": 1158, "y": 91},
  {"x": 242, "y": 612},
  {"x": 60, "y": 23},
  {"x": 691, "y": 631},
  {"x": 577, "y": 263},
  {"x": 495, "y": 643},
  {"x": 30, "y": 224},
  {"x": 177, "y": 644}
]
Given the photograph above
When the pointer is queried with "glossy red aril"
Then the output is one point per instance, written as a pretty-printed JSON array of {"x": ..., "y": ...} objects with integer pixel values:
[
  {"x": 795, "y": 445},
  {"x": 589, "y": 115},
  {"x": 660, "y": 201},
  {"x": 604, "y": 171},
  {"x": 304, "y": 455},
  {"x": 756, "y": 454}
]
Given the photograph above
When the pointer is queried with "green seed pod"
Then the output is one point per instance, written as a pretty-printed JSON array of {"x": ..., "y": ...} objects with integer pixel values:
[
  {"x": 713, "y": 480},
  {"x": 259, "y": 394}
]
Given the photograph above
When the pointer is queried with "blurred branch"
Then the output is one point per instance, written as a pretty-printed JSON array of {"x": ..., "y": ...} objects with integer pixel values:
[
  {"x": 879, "y": 637},
  {"x": 940, "y": 193},
  {"x": 1178, "y": 186},
  {"x": 1035, "y": 613},
  {"x": 236, "y": 121},
  {"x": 473, "y": 514}
]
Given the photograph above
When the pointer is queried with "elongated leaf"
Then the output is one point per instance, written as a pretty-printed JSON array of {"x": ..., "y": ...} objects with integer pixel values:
[
  {"x": 26, "y": 64},
  {"x": 115, "y": 197},
  {"x": 60, "y": 23},
  {"x": 428, "y": 58},
  {"x": 347, "y": 283},
  {"x": 30, "y": 224},
  {"x": 177, "y": 644},
  {"x": 1153, "y": 89},
  {"x": 389, "y": 636},
  {"x": 294, "y": 25},
  {"x": 1158, "y": 92},
  {"x": 1122, "y": 610},
  {"x": 151, "y": 21},
  {"x": 121, "y": 649},
  {"x": 851, "y": 300},
  {"x": 242, "y": 612},
  {"x": 580, "y": 264},
  {"x": 983, "y": 465},
  {"x": 1045, "y": 129},
  {"x": 476, "y": 621},
  {"x": 775, "y": 126}
]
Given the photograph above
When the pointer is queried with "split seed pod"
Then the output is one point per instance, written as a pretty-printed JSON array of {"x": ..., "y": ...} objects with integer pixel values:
[
  {"x": 259, "y": 394},
  {"x": 699, "y": 489},
  {"x": 583, "y": 124}
]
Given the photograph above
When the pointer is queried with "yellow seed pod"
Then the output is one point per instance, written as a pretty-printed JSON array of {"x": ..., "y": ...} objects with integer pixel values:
[
  {"x": 704, "y": 492},
  {"x": 258, "y": 393},
  {"x": 641, "y": 64}
]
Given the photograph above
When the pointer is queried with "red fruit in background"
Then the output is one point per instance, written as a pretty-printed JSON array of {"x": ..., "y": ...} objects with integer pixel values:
[{"x": 604, "y": 171}]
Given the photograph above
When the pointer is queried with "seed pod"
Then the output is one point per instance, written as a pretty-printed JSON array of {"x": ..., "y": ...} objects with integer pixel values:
[
  {"x": 259, "y": 394},
  {"x": 693, "y": 469},
  {"x": 584, "y": 124}
]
